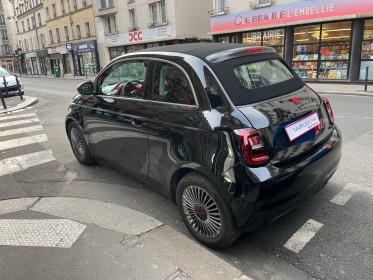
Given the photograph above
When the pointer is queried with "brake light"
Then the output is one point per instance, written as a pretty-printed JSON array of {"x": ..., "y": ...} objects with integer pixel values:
[
  {"x": 254, "y": 50},
  {"x": 329, "y": 109},
  {"x": 251, "y": 147}
]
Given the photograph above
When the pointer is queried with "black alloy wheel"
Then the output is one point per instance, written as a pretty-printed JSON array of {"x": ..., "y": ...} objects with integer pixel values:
[
  {"x": 205, "y": 212},
  {"x": 79, "y": 145}
]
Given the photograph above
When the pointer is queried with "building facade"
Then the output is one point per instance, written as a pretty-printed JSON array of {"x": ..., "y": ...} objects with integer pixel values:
[
  {"x": 323, "y": 40},
  {"x": 29, "y": 21},
  {"x": 130, "y": 25},
  {"x": 6, "y": 47},
  {"x": 71, "y": 36}
]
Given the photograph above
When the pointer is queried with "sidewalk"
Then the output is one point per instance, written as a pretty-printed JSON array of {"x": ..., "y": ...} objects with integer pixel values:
[
  {"x": 344, "y": 89},
  {"x": 14, "y": 103}
]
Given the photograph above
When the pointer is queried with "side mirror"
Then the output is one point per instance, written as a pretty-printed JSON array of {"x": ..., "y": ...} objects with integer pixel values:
[{"x": 85, "y": 88}]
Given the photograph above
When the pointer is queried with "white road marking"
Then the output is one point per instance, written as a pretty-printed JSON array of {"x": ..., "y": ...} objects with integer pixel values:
[
  {"x": 19, "y": 122},
  {"x": 21, "y": 130},
  {"x": 9, "y": 144},
  {"x": 40, "y": 233},
  {"x": 15, "y": 164},
  {"x": 347, "y": 192},
  {"x": 299, "y": 239},
  {"x": 12, "y": 117}
]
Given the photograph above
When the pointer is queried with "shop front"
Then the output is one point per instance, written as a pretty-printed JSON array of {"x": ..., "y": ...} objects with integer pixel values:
[
  {"x": 86, "y": 58},
  {"x": 59, "y": 57},
  {"x": 43, "y": 61},
  {"x": 322, "y": 40},
  {"x": 31, "y": 65},
  {"x": 122, "y": 43}
]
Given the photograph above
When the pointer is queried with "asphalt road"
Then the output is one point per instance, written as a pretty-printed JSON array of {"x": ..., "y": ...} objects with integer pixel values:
[{"x": 339, "y": 218}]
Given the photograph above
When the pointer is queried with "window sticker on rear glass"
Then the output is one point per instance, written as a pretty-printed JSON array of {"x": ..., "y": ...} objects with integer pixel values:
[{"x": 302, "y": 126}]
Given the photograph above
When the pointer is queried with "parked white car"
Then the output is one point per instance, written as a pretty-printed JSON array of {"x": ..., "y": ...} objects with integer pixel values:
[{"x": 11, "y": 83}]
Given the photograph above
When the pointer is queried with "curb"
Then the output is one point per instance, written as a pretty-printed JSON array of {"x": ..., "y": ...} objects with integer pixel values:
[{"x": 28, "y": 101}]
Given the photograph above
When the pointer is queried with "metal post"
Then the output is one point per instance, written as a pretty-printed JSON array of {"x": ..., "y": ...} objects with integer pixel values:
[
  {"x": 366, "y": 79},
  {"x": 19, "y": 88},
  {"x": 5, "y": 86},
  {"x": 2, "y": 99}
]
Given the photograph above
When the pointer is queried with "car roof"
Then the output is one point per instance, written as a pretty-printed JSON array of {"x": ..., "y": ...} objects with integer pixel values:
[{"x": 209, "y": 51}]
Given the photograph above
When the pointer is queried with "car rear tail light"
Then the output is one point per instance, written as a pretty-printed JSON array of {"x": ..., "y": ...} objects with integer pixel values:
[
  {"x": 251, "y": 147},
  {"x": 329, "y": 109}
]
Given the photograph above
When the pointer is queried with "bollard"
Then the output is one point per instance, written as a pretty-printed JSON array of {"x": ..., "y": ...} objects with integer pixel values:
[
  {"x": 5, "y": 86},
  {"x": 366, "y": 79},
  {"x": 2, "y": 99},
  {"x": 19, "y": 88}
]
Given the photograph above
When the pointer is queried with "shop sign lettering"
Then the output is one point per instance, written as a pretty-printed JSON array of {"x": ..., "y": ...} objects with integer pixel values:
[
  {"x": 135, "y": 36},
  {"x": 267, "y": 35}
]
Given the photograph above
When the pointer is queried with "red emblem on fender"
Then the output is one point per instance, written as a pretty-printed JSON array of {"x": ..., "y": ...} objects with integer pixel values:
[{"x": 295, "y": 100}]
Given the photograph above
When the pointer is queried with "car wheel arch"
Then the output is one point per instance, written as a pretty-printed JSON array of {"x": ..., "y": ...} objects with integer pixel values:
[{"x": 182, "y": 171}]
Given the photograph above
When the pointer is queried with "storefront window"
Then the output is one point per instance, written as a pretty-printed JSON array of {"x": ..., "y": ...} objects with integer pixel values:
[
  {"x": 322, "y": 51},
  {"x": 367, "y": 51},
  {"x": 271, "y": 38},
  {"x": 116, "y": 51}
]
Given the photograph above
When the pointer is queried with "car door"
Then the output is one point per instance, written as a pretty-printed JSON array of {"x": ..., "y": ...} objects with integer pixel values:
[
  {"x": 178, "y": 131},
  {"x": 116, "y": 121}
]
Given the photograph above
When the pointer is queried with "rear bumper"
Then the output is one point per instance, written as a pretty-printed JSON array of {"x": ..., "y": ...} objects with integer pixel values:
[{"x": 276, "y": 191}]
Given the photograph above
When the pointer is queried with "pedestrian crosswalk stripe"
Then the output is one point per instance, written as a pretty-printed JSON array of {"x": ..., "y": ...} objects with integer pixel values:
[
  {"x": 12, "y": 117},
  {"x": 18, "y": 122},
  {"x": 20, "y": 130},
  {"x": 299, "y": 239},
  {"x": 19, "y": 163},
  {"x": 9, "y": 144}
]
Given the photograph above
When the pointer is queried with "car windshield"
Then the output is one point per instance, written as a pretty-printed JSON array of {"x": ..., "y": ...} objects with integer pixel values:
[
  {"x": 262, "y": 73},
  {"x": 3, "y": 72}
]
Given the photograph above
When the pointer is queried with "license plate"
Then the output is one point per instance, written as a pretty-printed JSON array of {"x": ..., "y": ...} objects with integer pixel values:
[{"x": 302, "y": 126}]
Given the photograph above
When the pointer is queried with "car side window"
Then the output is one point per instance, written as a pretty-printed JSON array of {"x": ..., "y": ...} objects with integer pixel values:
[
  {"x": 171, "y": 85},
  {"x": 126, "y": 79}
]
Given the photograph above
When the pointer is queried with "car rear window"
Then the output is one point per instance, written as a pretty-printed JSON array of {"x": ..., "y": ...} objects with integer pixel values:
[
  {"x": 262, "y": 73},
  {"x": 256, "y": 77}
]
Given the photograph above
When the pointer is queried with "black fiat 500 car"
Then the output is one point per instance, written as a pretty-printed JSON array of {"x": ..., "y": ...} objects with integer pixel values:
[{"x": 229, "y": 132}]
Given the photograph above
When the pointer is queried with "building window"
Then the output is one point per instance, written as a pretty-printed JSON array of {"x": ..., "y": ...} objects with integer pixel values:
[
  {"x": 33, "y": 22},
  {"x": 111, "y": 25},
  {"x": 87, "y": 29},
  {"x": 39, "y": 19},
  {"x": 23, "y": 26},
  {"x": 153, "y": 13},
  {"x": 106, "y": 4},
  {"x": 66, "y": 31},
  {"x": 158, "y": 14},
  {"x": 103, "y": 4},
  {"x": 132, "y": 16},
  {"x": 322, "y": 51},
  {"x": 367, "y": 51},
  {"x": 75, "y": 5},
  {"x": 63, "y": 7},
  {"x": 219, "y": 6},
  {"x": 2, "y": 19},
  {"x": 273, "y": 38},
  {"x": 78, "y": 33},
  {"x": 17, "y": 27},
  {"x": 162, "y": 5},
  {"x": 58, "y": 35},
  {"x": 28, "y": 24},
  {"x": 4, "y": 35},
  {"x": 51, "y": 36},
  {"x": 6, "y": 49},
  {"x": 84, "y": 3},
  {"x": 47, "y": 13},
  {"x": 54, "y": 11},
  {"x": 42, "y": 41}
]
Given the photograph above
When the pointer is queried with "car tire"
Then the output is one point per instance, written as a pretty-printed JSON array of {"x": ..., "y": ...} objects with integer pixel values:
[
  {"x": 79, "y": 145},
  {"x": 205, "y": 212}
]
